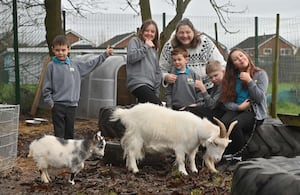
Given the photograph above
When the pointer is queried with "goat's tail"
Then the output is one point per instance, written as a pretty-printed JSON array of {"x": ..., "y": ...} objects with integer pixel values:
[{"x": 117, "y": 114}]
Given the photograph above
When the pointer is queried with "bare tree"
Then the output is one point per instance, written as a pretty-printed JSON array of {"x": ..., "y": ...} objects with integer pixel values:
[
  {"x": 34, "y": 10},
  {"x": 224, "y": 9},
  {"x": 180, "y": 7},
  {"x": 53, "y": 22},
  {"x": 31, "y": 15}
]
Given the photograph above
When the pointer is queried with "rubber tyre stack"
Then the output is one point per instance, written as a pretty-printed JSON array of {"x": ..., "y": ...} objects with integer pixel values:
[
  {"x": 273, "y": 140},
  {"x": 277, "y": 176},
  {"x": 109, "y": 129}
]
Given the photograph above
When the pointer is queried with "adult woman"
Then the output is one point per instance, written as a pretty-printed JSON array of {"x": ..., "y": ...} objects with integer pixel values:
[
  {"x": 244, "y": 89},
  {"x": 143, "y": 73},
  {"x": 200, "y": 50}
]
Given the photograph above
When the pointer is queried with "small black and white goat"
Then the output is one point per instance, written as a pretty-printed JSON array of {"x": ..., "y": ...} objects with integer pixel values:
[
  {"x": 51, "y": 151},
  {"x": 149, "y": 127}
]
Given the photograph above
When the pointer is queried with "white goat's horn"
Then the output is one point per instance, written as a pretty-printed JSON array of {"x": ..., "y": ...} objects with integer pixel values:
[
  {"x": 222, "y": 128},
  {"x": 231, "y": 126}
]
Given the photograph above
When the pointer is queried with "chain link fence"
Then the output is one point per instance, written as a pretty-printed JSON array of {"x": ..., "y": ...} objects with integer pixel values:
[{"x": 98, "y": 28}]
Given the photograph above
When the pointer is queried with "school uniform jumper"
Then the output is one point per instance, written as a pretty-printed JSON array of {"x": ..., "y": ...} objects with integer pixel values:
[
  {"x": 143, "y": 71},
  {"x": 61, "y": 88}
]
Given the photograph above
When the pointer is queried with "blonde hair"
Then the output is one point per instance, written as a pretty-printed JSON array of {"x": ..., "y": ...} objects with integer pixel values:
[{"x": 213, "y": 66}]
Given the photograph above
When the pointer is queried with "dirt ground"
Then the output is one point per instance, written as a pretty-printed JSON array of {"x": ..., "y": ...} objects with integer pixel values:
[{"x": 100, "y": 178}]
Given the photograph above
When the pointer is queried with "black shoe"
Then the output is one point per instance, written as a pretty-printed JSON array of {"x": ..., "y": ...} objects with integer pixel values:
[
  {"x": 228, "y": 162},
  {"x": 230, "y": 157}
]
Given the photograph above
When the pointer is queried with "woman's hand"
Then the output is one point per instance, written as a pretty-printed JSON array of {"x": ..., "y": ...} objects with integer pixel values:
[
  {"x": 170, "y": 78},
  {"x": 245, "y": 105},
  {"x": 245, "y": 76}
]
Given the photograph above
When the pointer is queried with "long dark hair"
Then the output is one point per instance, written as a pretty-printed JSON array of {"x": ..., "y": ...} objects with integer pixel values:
[
  {"x": 229, "y": 80},
  {"x": 145, "y": 24},
  {"x": 196, "y": 40}
]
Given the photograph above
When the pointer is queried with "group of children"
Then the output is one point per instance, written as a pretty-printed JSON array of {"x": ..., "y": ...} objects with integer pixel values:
[
  {"x": 232, "y": 97},
  {"x": 187, "y": 93}
]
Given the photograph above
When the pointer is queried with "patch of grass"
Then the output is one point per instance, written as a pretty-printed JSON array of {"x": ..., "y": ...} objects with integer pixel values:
[
  {"x": 7, "y": 95},
  {"x": 288, "y": 108},
  {"x": 284, "y": 86}
]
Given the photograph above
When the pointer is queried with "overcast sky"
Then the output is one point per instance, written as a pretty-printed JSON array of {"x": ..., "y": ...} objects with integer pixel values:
[{"x": 260, "y": 8}]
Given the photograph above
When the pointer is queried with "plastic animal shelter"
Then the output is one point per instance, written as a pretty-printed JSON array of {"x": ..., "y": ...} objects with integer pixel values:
[
  {"x": 106, "y": 86},
  {"x": 9, "y": 125}
]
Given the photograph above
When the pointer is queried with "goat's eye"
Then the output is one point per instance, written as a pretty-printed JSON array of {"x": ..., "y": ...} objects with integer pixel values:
[{"x": 216, "y": 144}]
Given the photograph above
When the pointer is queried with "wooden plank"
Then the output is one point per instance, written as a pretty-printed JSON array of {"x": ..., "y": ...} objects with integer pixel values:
[
  {"x": 38, "y": 91},
  {"x": 289, "y": 119}
]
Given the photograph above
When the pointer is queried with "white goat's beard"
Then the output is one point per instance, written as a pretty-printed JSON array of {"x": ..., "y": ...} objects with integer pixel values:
[{"x": 209, "y": 163}]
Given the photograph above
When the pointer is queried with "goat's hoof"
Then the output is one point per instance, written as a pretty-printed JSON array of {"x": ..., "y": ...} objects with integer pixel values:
[
  {"x": 135, "y": 171},
  {"x": 183, "y": 172},
  {"x": 72, "y": 182},
  {"x": 195, "y": 171},
  {"x": 45, "y": 181}
]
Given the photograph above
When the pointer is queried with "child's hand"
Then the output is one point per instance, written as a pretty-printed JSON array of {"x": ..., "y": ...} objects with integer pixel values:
[
  {"x": 150, "y": 43},
  {"x": 199, "y": 84},
  {"x": 245, "y": 76},
  {"x": 109, "y": 51},
  {"x": 170, "y": 78}
]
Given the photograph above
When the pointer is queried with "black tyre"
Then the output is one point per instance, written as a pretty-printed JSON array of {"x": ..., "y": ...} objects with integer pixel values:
[
  {"x": 113, "y": 154},
  {"x": 278, "y": 175},
  {"x": 273, "y": 140},
  {"x": 109, "y": 129}
]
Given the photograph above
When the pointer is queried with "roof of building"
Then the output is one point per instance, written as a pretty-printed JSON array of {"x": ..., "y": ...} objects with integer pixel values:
[
  {"x": 116, "y": 39},
  {"x": 250, "y": 41}
]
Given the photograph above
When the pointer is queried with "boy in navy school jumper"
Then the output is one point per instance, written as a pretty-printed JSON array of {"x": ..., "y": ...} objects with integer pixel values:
[
  {"x": 183, "y": 92},
  {"x": 61, "y": 87},
  {"x": 212, "y": 106}
]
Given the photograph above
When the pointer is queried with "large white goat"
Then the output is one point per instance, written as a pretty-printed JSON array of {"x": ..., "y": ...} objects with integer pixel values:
[
  {"x": 60, "y": 153},
  {"x": 150, "y": 127}
]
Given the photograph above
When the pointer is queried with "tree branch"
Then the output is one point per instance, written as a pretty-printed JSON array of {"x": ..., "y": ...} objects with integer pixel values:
[{"x": 224, "y": 9}]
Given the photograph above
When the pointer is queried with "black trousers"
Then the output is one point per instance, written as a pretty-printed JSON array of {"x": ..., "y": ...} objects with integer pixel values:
[
  {"x": 146, "y": 94},
  {"x": 243, "y": 129},
  {"x": 63, "y": 119},
  {"x": 202, "y": 111}
]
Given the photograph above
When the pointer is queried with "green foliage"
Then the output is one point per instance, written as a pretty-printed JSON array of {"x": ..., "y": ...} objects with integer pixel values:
[
  {"x": 284, "y": 86},
  {"x": 7, "y": 95},
  {"x": 197, "y": 191},
  {"x": 288, "y": 108},
  {"x": 284, "y": 103}
]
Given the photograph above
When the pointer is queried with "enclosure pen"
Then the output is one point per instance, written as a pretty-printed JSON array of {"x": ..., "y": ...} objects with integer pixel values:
[{"x": 9, "y": 125}]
